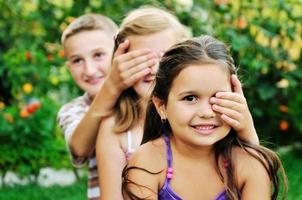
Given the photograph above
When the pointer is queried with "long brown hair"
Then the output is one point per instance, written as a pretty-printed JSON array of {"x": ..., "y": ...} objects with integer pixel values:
[
  {"x": 142, "y": 21},
  {"x": 201, "y": 50}
]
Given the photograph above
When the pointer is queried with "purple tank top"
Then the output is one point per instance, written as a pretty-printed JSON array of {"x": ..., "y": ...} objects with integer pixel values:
[{"x": 166, "y": 192}]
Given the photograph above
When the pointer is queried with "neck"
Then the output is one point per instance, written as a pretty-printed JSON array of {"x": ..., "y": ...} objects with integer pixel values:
[
  {"x": 192, "y": 151},
  {"x": 143, "y": 102}
]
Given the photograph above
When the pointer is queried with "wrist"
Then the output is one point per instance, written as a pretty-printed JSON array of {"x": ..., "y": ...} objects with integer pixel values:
[{"x": 112, "y": 88}]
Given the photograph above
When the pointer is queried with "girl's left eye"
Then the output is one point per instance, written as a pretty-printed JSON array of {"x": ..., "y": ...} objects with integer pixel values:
[{"x": 190, "y": 98}]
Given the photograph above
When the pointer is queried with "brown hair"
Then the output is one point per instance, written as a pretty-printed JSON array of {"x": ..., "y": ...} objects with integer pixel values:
[
  {"x": 142, "y": 21},
  {"x": 89, "y": 22}
]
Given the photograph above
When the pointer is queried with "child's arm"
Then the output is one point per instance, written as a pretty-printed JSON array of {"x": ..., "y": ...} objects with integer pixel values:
[
  {"x": 235, "y": 112},
  {"x": 126, "y": 69},
  {"x": 110, "y": 161}
]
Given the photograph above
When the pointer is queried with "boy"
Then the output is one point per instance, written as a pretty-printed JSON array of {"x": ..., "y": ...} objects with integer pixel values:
[{"x": 88, "y": 43}]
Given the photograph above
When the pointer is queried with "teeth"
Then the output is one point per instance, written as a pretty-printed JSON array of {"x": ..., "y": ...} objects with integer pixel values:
[{"x": 205, "y": 127}]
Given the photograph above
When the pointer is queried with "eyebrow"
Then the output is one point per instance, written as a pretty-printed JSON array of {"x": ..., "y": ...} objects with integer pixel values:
[
  {"x": 194, "y": 92},
  {"x": 93, "y": 51}
]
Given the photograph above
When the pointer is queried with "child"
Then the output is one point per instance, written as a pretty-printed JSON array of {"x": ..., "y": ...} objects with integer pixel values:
[
  {"x": 88, "y": 43},
  {"x": 189, "y": 151},
  {"x": 121, "y": 133}
]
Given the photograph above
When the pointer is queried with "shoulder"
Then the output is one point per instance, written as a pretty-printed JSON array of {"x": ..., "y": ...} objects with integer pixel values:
[
  {"x": 108, "y": 121},
  {"x": 107, "y": 126},
  {"x": 246, "y": 157},
  {"x": 145, "y": 172},
  {"x": 146, "y": 167},
  {"x": 150, "y": 156},
  {"x": 249, "y": 164}
]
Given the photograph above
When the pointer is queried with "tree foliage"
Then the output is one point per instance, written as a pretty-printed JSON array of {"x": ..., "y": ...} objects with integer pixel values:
[{"x": 264, "y": 36}]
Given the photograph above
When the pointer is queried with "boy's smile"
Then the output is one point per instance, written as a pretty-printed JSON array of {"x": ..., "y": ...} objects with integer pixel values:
[{"x": 89, "y": 56}]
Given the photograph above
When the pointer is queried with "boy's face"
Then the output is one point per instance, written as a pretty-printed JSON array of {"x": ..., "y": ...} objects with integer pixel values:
[{"x": 89, "y": 56}]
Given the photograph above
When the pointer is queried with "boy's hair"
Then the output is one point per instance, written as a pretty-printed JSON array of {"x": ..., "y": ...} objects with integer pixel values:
[
  {"x": 142, "y": 21},
  {"x": 89, "y": 22},
  {"x": 204, "y": 50}
]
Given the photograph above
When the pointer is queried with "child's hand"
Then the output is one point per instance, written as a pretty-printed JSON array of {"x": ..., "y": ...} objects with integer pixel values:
[
  {"x": 128, "y": 67},
  {"x": 235, "y": 112}
]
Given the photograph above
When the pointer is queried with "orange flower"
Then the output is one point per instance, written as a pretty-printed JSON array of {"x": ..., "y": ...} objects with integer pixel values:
[
  {"x": 283, "y": 125},
  {"x": 283, "y": 108},
  {"x": 31, "y": 108},
  {"x": 24, "y": 114},
  {"x": 62, "y": 53},
  {"x": 36, "y": 104},
  {"x": 9, "y": 117},
  {"x": 27, "y": 55},
  {"x": 241, "y": 22}
]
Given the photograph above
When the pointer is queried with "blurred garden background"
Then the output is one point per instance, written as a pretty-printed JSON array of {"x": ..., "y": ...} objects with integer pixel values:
[{"x": 265, "y": 38}]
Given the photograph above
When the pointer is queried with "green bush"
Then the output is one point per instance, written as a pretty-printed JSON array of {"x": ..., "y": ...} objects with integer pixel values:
[{"x": 265, "y": 38}]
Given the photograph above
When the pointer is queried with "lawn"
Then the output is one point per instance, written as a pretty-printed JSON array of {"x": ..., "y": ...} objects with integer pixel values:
[
  {"x": 291, "y": 160},
  {"x": 76, "y": 191}
]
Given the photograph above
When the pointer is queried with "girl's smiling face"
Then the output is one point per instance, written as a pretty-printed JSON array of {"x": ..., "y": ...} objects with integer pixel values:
[{"x": 188, "y": 109}]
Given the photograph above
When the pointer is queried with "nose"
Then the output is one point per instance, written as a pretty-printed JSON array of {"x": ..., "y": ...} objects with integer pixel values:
[
  {"x": 90, "y": 67},
  {"x": 205, "y": 109}
]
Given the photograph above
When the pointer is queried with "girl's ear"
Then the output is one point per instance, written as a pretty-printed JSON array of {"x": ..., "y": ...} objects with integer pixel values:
[{"x": 160, "y": 107}]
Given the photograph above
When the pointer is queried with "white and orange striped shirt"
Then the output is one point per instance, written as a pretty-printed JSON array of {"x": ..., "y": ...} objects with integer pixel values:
[{"x": 68, "y": 118}]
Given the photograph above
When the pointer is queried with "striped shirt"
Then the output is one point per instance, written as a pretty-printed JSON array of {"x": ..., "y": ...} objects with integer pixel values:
[{"x": 68, "y": 118}]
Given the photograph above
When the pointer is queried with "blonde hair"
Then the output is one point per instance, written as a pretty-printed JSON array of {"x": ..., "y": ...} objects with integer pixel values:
[
  {"x": 142, "y": 21},
  {"x": 89, "y": 22}
]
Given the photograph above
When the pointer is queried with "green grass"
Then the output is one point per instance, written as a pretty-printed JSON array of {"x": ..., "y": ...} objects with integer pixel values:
[
  {"x": 76, "y": 191},
  {"x": 292, "y": 162}
]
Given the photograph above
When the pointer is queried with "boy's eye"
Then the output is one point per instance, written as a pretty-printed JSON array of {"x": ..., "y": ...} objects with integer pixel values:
[
  {"x": 98, "y": 55},
  {"x": 190, "y": 98},
  {"x": 76, "y": 61}
]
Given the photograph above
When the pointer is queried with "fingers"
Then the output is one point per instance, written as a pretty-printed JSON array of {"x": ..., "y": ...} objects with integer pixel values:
[
  {"x": 136, "y": 54},
  {"x": 231, "y": 122},
  {"x": 127, "y": 68},
  {"x": 226, "y": 111},
  {"x": 231, "y": 117},
  {"x": 122, "y": 48},
  {"x": 137, "y": 68},
  {"x": 231, "y": 104},
  {"x": 232, "y": 107},
  {"x": 237, "y": 87},
  {"x": 137, "y": 76},
  {"x": 231, "y": 96},
  {"x": 146, "y": 60}
]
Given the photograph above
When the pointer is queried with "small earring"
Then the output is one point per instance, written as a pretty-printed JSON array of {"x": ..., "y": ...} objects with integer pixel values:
[{"x": 163, "y": 120}]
